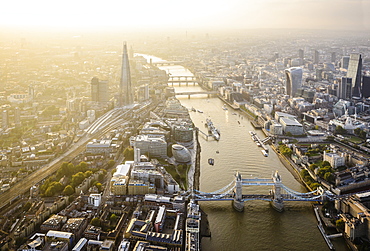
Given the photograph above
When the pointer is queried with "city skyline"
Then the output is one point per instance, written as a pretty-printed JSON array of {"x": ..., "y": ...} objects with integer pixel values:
[{"x": 165, "y": 14}]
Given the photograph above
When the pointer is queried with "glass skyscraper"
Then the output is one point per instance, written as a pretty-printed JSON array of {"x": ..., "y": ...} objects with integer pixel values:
[{"x": 354, "y": 72}]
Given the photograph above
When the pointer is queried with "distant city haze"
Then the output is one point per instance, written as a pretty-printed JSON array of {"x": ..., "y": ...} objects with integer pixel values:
[{"x": 200, "y": 14}]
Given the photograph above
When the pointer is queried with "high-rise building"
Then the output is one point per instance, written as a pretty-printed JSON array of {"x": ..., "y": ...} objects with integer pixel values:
[
  {"x": 31, "y": 92},
  {"x": 365, "y": 86},
  {"x": 17, "y": 116},
  {"x": 345, "y": 88},
  {"x": 301, "y": 54},
  {"x": 293, "y": 80},
  {"x": 316, "y": 57},
  {"x": 344, "y": 62},
  {"x": 333, "y": 57},
  {"x": 125, "y": 84},
  {"x": 354, "y": 72},
  {"x": 5, "y": 118},
  {"x": 99, "y": 90}
]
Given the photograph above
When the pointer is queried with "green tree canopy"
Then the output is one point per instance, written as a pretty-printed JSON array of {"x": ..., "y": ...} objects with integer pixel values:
[
  {"x": 96, "y": 222},
  {"x": 77, "y": 179},
  {"x": 128, "y": 153},
  {"x": 99, "y": 186},
  {"x": 113, "y": 218},
  {"x": 340, "y": 224},
  {"x": 68, "y": 190},
  {"x": 340, "y": 130},
  {"x": 111, "y": 163},
  {"x": 313, "y": 167}
]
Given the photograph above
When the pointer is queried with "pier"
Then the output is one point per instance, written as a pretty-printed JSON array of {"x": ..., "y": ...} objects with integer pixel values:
[{"x": 322, "y": 230}]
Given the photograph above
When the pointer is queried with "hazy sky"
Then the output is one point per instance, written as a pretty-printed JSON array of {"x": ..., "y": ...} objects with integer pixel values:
[{"x": 223, "y": 14}]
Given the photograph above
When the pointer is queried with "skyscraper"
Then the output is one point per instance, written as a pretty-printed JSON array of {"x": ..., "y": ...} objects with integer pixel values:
[
  {"x": 333, "y": 57},
  {"x": 316, "y": 57},
  {"x": 344, "y": 62},
  {"x": 301, "y": 54},
  {"x": 354, "y": 72},
  {"x": 5, "y": 118},
  {"x": 99, "y": 90},
  {"x": 345, "y": 88},
  {"x": 293, "y": 80},
  {"x": 125, "y": 84},
  {"x": 365, "y": 86}
]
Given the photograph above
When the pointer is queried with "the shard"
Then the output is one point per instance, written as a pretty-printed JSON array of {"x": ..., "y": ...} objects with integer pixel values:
[{"x": 125, "y": 84}]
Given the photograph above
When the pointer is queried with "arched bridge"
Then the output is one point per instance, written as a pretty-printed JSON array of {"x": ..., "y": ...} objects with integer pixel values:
[{"x": 277, "y": 195}]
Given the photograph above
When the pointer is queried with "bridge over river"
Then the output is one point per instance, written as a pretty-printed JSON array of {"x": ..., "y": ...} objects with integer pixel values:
[{"x": 276, "y": 196}]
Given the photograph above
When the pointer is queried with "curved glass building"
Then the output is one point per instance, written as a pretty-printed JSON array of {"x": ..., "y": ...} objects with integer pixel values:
[{"x": 293, "y": 80}]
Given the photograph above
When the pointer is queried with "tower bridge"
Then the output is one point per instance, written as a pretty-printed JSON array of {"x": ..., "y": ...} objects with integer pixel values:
[{"x": 276, "y": 196}]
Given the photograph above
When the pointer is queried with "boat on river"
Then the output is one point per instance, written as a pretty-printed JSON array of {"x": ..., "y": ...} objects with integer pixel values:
[
  {"x": 211, "y": 161},
  {"x": 265, "y": 153},
  {"x": 212, "y": 130}
]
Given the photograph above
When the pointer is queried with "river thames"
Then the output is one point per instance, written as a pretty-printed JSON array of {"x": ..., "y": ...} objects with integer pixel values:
[{"x": 259, "y": 227}]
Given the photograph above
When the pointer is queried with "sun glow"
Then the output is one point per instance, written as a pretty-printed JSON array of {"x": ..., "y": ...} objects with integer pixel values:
[{"x": 186, "y": 14}]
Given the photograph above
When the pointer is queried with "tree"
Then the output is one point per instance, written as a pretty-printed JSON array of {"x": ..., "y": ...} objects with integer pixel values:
[
  {"x": 99, "y": 186},
  {"x": 286, "y": 151},
  {"x": 77, "y": 179},
  {"x": 88, "y": 174},
  {"x": 128, "y": 153},
  {"x": 329, "y": 177},
  {"x": 68, "y": 190},
  {"x": 71, "y": 169},
  {"x": 340, "y": 130},
  {"x": 113, "y": 218},
  {"x": 111, "y": 163},
  {"x": 304, "y": 173},
  {"x": 313, "y": 167},
  {"x": 96, "y": 222},
  {"x": 340, "y": 224},
  {"x": 314, "y": 185},
  {"x": 325, "y": 164}
]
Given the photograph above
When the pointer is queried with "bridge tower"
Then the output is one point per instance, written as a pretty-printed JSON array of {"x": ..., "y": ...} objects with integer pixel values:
[
  {"x": 238, "y": 202},
  {"x": 323, "y": 194},
  {"x": 277, "y": 200}
]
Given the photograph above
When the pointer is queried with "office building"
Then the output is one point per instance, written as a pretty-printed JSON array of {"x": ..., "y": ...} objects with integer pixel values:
[
  {"x": 293, "y": 80},
  {"x": 333, "y": 57},
  {"x": 151, "y": 146},
  {"x": 301, "y": 54},
  {"x": 17, "y": 116},
  {"x": 316, "y": 57},
  {"x": 5, "y": 118},
  {"x": 345, "y": 88},
  {"x": 366, "y": 86},
  {"x": 354, "y": 72},
  {"x": 344, "y": 62},
  {"x": 125, "y": 84},
  {"x": 99, "y": 90}
]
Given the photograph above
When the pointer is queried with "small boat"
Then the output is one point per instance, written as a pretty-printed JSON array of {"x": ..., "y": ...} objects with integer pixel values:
[
  {"x": 211, "y": 161},
  {"x": 264, "y": 153},
  {"x": 234, "y": 113},
  {"x": 224, "y": 107},
  {"x": 217, "y": 151},
  {"x": 200, "y": 111},
  {"x": 193, "y": 109},
  {"x": 238, "y": 122}
]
